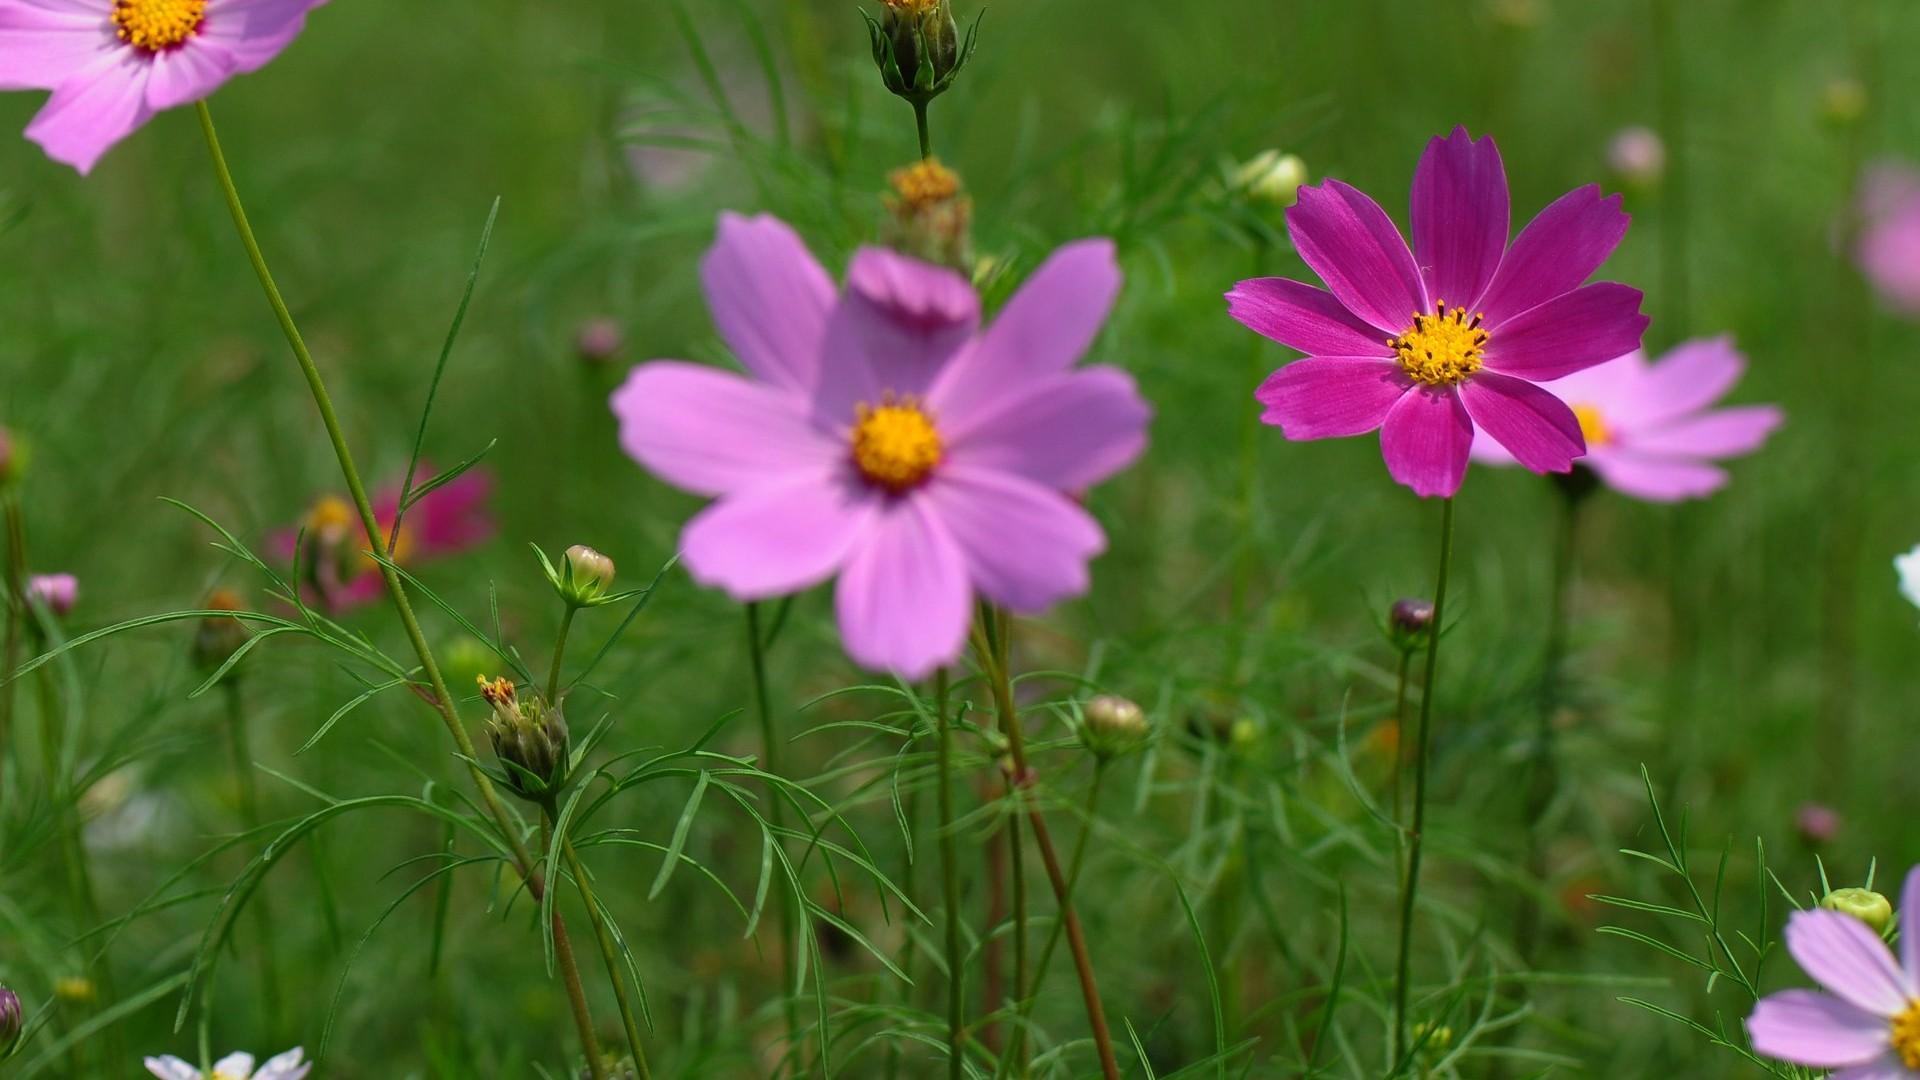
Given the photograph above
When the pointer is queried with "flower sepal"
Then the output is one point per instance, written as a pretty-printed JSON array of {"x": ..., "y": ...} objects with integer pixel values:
[
  {"x": 918, "y": 48},
  {"x": 582, "y": 577}
]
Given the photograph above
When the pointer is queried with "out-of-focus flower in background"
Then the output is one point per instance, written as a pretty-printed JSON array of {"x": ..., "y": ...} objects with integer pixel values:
[
  {"x": 1817, "y": 823},
  {"x": 1908, "y": 568},
  {"x": 288, "y": 1066},
  {"x": 336, "y": 569},
  {"x": 1888, "y": 249},
  {"x": 1638, "y": 156},
  {"x": 598, "y": 340},
  {"x": 55, "y": 592}
]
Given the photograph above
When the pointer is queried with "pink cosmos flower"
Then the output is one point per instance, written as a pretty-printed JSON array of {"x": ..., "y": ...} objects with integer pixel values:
[
  {"x": 883, "y": 436},
  {"x": 1889, "y": 245},
  {"x": 1650, "y": 432},
  {"x": 339, "y": 574},
  {"x": 1868, "y": 1024},
  {"x": 55, "y": 592},
  {"x": 1421, "y": 345},
  {"x": 112, "y": 64}
]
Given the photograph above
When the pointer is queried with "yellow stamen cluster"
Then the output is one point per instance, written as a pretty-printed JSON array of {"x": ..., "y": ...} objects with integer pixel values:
[
  {"x": 157, "y": 25},
  {"x": 329, "y": 519},
  {"x": 912, "y": 7},
  {"x": 1906, "y": 1035},
  {"x": 496, "y": 691},
  {"x": 924, "y": 183},
  {"x": 1441, "y": 349},
  {"x": 1593, "y": 426},
  {"x": 895, "y": 445}
]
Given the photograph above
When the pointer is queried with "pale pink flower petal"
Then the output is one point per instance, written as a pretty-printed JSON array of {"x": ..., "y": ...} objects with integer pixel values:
[
  {"x": 781, "y": 537},
  {"x": 40, "y": 46},
  {"x": 1425, "y": 440},
  {"x": 769, "y": 298},
  {"x": 182, "y": 76},
  {"x": 168, "y": 1067},
  {"x": 711, "y": 432},
  {"x": 1811, "y": 1028},
  {"x": 235, "y": 1064},
  {"x": 1067, "y": 431},
  {"x": 1536, "y": 428},
  {"x": 1690, "y": 377},
  {"x": 1722, "y": 433},
  {"x": 981, "y": 507},
  {"x": 898, "y": 325},
  {"x": 1848, "y": 959},
  {"x": 1910, "y": 930},
  {"x": 904, "y": 600},
  {"x": 1887, "y": 1068},
  {"x": 1325, "y": 397},
  {"x": 256, "y": 31},
  {"x": 93, "y": 110},
  {"x": 1655, "y": 479}
]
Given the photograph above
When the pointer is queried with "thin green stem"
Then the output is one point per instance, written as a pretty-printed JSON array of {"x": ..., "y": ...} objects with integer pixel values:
[
  {"x": 570, "y": 973},
  {"x": 950, "y": 890},
  {"x": 559, "y": 651},
  {"x": 1410, "y": 893},
  {"x": 249, "y": 791},
  {"x": 1016, "y": 858},
  {"x": 608, "y": 952},
  {"x": 920, "y": 123},
  {"x": 16, "y": 572},
  {"x": 1399, "y": 765},
  {"x": 776, "y": 812}
]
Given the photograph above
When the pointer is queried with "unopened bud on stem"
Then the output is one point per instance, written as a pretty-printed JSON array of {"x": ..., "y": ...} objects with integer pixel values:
[
  {"x": 1114, "y": 725},
  {"x": 530, "y": 739},
  {"x": 1863, "y": 904},
  {"x": 1409, "y": 622}
]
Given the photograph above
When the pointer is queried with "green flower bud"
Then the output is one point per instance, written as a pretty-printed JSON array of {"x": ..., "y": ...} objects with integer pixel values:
[
  {"x": 1270, "y": 178},
  {"x": 917, "y": 47},
  {"x": 1433, "y": 1040},
  {"x": 1113, "y": 726},
  {"x": 530, "y": 739},
  {"x": 1863, "y": 904},
  {"x": 582, "y": 578}
]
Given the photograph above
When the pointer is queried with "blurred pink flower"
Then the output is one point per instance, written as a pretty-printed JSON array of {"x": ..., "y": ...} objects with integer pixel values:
[
  {"x": 1386, "y": 350},
  {"x": 1889, "y": 244},
  {"x": 1649, "y": 427},
  {"x": 337, "y": 571},
  {"x": 55, "y": 592},
  {"x": 598, "y": 340},
  {"x": 883, "y": 436},
  {"x": 112, "y": 64},
  {"x": 1868, "y": 1024},
  {"x": 1638, "y": 155},
  {"x": 1817, "y": 823}
]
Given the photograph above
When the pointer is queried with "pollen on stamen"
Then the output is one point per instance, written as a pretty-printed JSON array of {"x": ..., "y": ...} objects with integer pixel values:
[
  {"x": 895, "y": 444},
  {"x": 157, "y": 25},
  {"x": 1441, "y": 349}
]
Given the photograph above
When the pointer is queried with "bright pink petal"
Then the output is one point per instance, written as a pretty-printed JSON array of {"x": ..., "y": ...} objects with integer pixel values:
[
  {"x": 1352, "y": 244},
  {"x": 1692, "y": 376},
  {"x": 1814, "y": 1029},
  {"x": 42, "y": 46},
  {"x": 1588, "y": 326},
  {"x": 1910, "y": 931},
  {"x": 1722, "y": 433},
  {"x": 1848, "y": 959},
  {"x": 94, "y": 110},
  {"x": 1655, "y": 479},
  {"x": 1555, "y": 253},
  {"x": 778, "y": 538},
  {"x": 1302, "y": 317},
  {"x": 452, "y": 517},
  {"x": 898, "y": 325},
  {"x": 1425, "y": 441},
  {"x": 1459, "y": 216},
  {"x": 188, "y": 74},
  {"x": 1536, "y": 428},
  {"x": 1027, "y": 546},
  {"x": 1068, "y": 432},
  {"x": 711, "y": 432},
  {"x": 903, "y": 600},
  {"x": 1327, "y": 397},
  {"x": 1047, "y": 326},
  {"x": 769, "y": 297}
]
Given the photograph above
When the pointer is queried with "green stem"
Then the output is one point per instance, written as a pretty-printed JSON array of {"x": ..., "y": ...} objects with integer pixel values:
[
  {"x": 570, "y": 973},
  {"x": 1399, "y": 762},
  {"x": 249, "y": 790},
  {"x": 770, "y": 761},
  {"x": 16, "y": 572},
  {"x": 950, "y": 891},
  {"x": 926, "y": 136},
  {"x": 559, "y": 651},
  {"x": 604, "y": 935},
  {"x": 1016, "y": 1042},
  {"x": 1416, "y": 834}
]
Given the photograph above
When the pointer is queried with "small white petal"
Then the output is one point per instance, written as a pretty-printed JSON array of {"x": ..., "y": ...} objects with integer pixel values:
[{"x": 168, "y": 1067}]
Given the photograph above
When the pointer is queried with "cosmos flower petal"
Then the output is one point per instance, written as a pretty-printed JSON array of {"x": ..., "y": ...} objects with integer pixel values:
[
  {"x": 769, "y": 298},
  {"x": 287, "y": 1066},
  {"x": 1459, "y": 216},
  {"x": 1536, "y": 428},
  {"x": 1655, "y": 479},
  {"x": 93, "y": 110},
  {"x": 1907, "y": 568},
  {"x": 256, "y": 31},
  {"x": 1910, "y": 932},
  {"x": 1887, "y": 1067},
  {"x": 1425, "y": 441},
  {"x": 168, "y": 1067},
  {"x": 1351, "y": 243},
  {"x": 904, "y": 602},
  {"x": 778, "y": 538},
  {"x": 1848, "y": 959},
  {"x": 187, "y": 74},
  {"x": 1487, "y": 451},
  {"x": 1326, "y": 397},
  {"x": 1047, "y": 326},
  {"x": 1809, "y": 1028},
  {"x": 1588, "y": 326},
  {"x": 983, "y": 507},
  {"x": 1303, "y": 317},
  {"x": 234, "y": 1064},
  {"x": 897, "y": 326},
  {"x": 1691, "y": 377},
  {"x": 1558, "y": 250},
  {"x": 1722, "y": 433},
  {"x": 1069, "y": 431},
  {"x": 711, "y": 432},
  {"x": 41, "y": 47}
]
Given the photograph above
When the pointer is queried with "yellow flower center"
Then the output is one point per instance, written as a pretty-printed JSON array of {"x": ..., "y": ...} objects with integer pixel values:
[
  {"x": 912, "y": 7},
  {"x": 895, "y": 444},
  {"x": 1593, "y": 426},
  {"x": 924, "y": 183},
  {"x": 155, "y": 25},
  {"x": 1441, "y": 349},
  {"x": 332, "y": 520},
  {"x": 1906, "y": 1035}
]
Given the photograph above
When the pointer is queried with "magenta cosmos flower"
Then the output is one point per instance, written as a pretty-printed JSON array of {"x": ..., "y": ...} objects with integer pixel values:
[
  {"x": 1889, "y": 245},
  {"x": 1649, "y": 427},
  {"x": 1867, "y": 1025},
  {"x": 336, "y": 570},
  {"x": 1421, "y": 345},
  {"x": 112, "y": 64},
  {"x": 883, "y": 436}
]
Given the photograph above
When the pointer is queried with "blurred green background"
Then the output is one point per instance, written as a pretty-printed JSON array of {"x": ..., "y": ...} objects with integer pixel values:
[{"x": 1750, "y": 649}]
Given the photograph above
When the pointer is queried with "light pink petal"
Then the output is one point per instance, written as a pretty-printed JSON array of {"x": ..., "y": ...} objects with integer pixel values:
[
  {"x": 42, "y": 46},
  {"x": 1887, "y": 1068},
  {"x": 1692, "y": 376},
  {"x": 168, "y": 1067},
  {"x": 236, "y": 1064},
  {"x": 1459, "y": 216},
  {"x": 779, "y": 538},
  {"x": 1026, "y": 546},
  {"x": 769, "y": 298},
  {"x": 285, "y": 1066},
  {"x": 1486, "y": 451},
  {"x": 256, "y": 31},
  {"x": 93, "y": 110},
  {"x": 903, "y": 600},
  {"x": 1302, "y": 317},
  {"x": 1910, "y": 931},
  {"x": 1588, "y": 326},
  {"x": 1327, "y": 397},
  {"x": 1536, "y": 428},
  {"x": 1655, "y": 479},
  {"x": 1047, "y": 326},
  {"x": 1425, "y": 441},
  {"x": 1068, "y": 431},
  {"x": 187, "y": 74},
  {"x": 898, "y": 325},
  {"x": 1848, "y": 959},
  {"x": 710, "y": 431},
  {"x": 1352, "y": 244},
  {"x": 1722, "y": 433},
  {"x": 1814, "y": 1029},
  {"x": 1558, "y": 250}
]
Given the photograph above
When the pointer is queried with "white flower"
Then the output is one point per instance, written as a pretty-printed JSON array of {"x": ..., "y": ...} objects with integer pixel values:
[
  {"x": 287, "y": 1066},
  {"x": 1908, "y": 567}
]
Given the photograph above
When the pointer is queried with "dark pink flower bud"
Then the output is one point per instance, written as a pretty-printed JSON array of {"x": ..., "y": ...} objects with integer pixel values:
[
  {"x": 55, "y": 592},
  {"x": 1818, "y": 824},
  {"x": 598, "y": 340}
]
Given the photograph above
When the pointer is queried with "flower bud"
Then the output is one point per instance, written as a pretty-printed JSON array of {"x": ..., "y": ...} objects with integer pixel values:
[
  {"x": 1817, "y": 824},
  {"x": 1844, "y": 101},
  {"x": 1863, "y": 904},
  {"x": 917, "y": 47},
  {"x": 582, "y": 577},
  {"x": 1432, "y": 1040},
  {"x": 598, "y": 340},
  {"x": 1638, "y": 156},
  {"x": 929, "y": 215},
  {"x": 75, "y": 989},
  {"x": 1270, "y": 179},
  {"x": 1409, "y": 622},
  {"x": 55, "y": 592},
  {"x": 219, "y": 636},
  {"x": 530, "y": 739},
  {"x": 1113, "y": 725},
  {"x": 13, "y": 1020}
]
